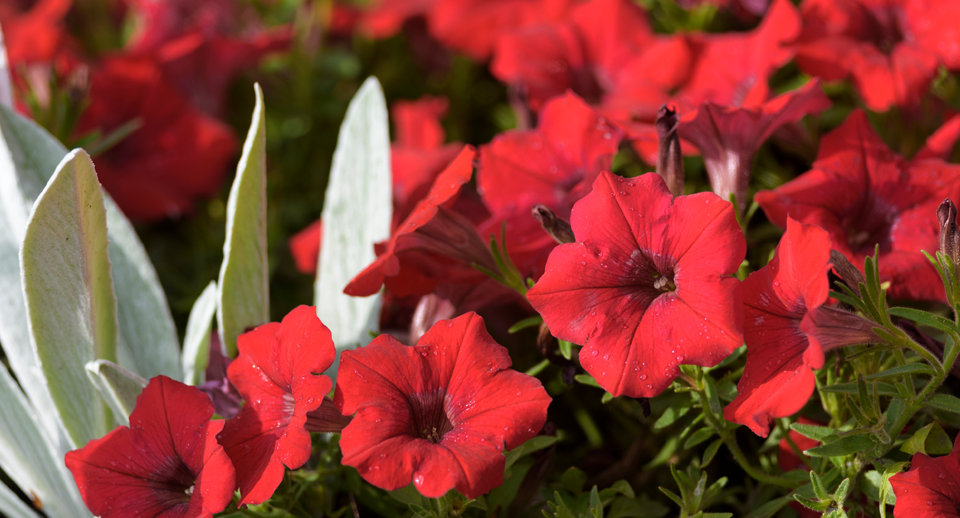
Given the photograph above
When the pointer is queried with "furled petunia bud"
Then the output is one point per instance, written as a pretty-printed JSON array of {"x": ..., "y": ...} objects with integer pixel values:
[
  {"x": 949, "y": 234},
  {"x": 669, "y": 159},
  {"x": 556, "y": 227}
]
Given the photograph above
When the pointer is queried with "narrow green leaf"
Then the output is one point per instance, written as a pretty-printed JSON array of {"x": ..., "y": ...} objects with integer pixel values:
[
  {"x": 29, "y": 459},
  {"x": 944, "y": 402},
  {"x": 842, "y": 447},
  {"x": 842, "y": 490},
  {"x": 884, "y": 389},
  {"x": 818, "y": 433},
  {"x": 71, "y": 306},
  {"x": 818, "y": 488},
  {"x": 196, "y": 340},
  {"x": 911, "y": 368},
  {"x": 925, "y": 318},
  {"x": 244, "y": 290},
  {"x": 525, "y": 323},
  {"x": 770, "y": 508},
  {"x": 356, "y": 213},
  {"x": 886, "y": 489},
  {"x": 118, "y": 386},
  {"x": 672, "y": 413},
  {"x": 587, "y": 379},
  {"x": 10, "y": 504},
  {"x": 698, "y": 437},
  {"x": 811, "y": 504},
  {"x": 566, "y": 348},
  {"x": 710, "y": 452}
]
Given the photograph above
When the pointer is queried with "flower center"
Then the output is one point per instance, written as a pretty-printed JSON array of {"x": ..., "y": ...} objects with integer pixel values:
[
  {"x": 429, "y": 420},
  {"x": 663, "y": 282}
]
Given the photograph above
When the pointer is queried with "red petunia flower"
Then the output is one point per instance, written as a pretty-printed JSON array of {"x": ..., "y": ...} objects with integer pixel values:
[
  {"x": 863, "y": 194},
  {"x": 778, "y": 379},
  {"x": 438, "y": 414},
  {"x": 474, "y": 26},
  {"x": 277, "y": 373},
  {"x": 648, "y": 286},
  {"x": 930, "y": 488},
  {"x": 585, "y": 53},
  {"x": 175, "y": 155},
  {"x": 420, "y": 250},
  {"x": 729, "y": 137},
  {"x": 166, "y": 464},
  {"x": 891, "y": 50}
]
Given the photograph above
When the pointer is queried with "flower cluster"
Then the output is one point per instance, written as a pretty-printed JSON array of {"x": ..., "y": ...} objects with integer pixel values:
[{"x": 718, "y": 229}]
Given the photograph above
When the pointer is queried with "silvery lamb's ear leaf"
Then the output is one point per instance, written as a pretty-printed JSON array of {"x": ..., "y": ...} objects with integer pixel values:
[
  {"x": 28, "y": 157},
  {"x": 356, "y": 214},
  {"x": 244, "y": 290},
  {"x": 71, "y": 306},
  {"x": 196, "y": 341},
  {"x": 12, "y": 507},
  {"x": 118, "y": 386},
  {"x": 146, "y": 325},
  {"x": 30, "y": 460}
]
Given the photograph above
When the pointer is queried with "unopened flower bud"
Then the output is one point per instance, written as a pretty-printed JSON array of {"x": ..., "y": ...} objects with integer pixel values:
[
  {"x": 669, "y": 159},
  {"x": 556, "y": 227},
  {"x": 848, "y": 273},
  {"x": 949, "y": 235}
]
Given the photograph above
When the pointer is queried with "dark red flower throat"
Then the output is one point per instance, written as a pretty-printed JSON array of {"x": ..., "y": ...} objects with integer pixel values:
[{"x": 429, "y": 418}]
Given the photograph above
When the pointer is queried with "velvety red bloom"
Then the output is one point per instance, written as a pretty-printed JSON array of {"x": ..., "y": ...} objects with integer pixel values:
[
  {"x": 891, "y": 50},
  {"x": 863, "y": 194},
  {"x": 416, "y": 254},
  {"x": 35, "y": 35},
  {"x": 166, "y": 464},
  {"x": 648, "y": 286},
  {"x": 787, "y": 331},
  {"x": 384, "y": 18},
  {"x": 941, "y": 143},
  {"x": 278, "y": 375},
  {"x": 175, "y": 156},
  {"x": 474, "y": 26},
  {"x": 730, "y": 69},
  {"x": 438, "y": 414},
  {"x": 729, "y": 137},
  {"x": 161, "y": 21},
  {"x": 305, "y": 247},
  {"x": 930, "y": 488},
  {"x": 586, "y": 52},
  {"x": 554, "y": 165}
]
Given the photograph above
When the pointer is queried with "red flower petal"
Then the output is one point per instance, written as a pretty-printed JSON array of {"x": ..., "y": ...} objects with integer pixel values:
[
  {"x": 431, "y": 228},
  {"x": 552, "y": 165},
  {"x": 778, "y": 379},
  {"x": 305, "y": 247},
  {"x": 438, "y": 414},
  {"x": 612, "y": 289},
  {"x": 276, "y": 373},
  {"x": 37, "y": 35},
  {"x": 168, "y": 463},
  {"x": 729, "y": 137},
  {"x": 930, "y": 489},
  {"x": 862, "y": 194},
  {"x": 941, "y": 143}
]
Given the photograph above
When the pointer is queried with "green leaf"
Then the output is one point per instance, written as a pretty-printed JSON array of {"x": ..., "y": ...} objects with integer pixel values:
[
  {"x": 818, "y": 433},
  {"x": 573, "y": 480},
  {"x": 886, "y": 489},
  {"x": 525, "y": 323},
  {"x": 118, "y": 386},
  {"x": 566, "y": 349},
  {"x": 196, "y": 340},
  {"x": 929, "y": 440},
  {"x": 244, "y": 289},
  {"x": 587, "y": 380},
  {"x": 710, "y": 452},
  {"x": 842, "y": 447},
  {"x": 770, "y": 508},
  {"x": 944, "y": 402},
  {"x": 925, "y": 318},
  {"x": 672, "y": 413},
  {"x": 10, "y": 504},
  {"x": 911, "y": 368},
  {"x": 698, "y": 437},
  {"x": 884, "y": 389},
  {"x": 71, "y": 306},
  {"x": 818, "y": 489},
  {"x": 357, "y": 209},
  {"x": 811, "y": 504},
  {"x": 532, "y": 445},
  {"x": 30, "y": 459}
]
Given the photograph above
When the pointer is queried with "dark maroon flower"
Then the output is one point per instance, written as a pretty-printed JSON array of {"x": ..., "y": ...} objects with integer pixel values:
[
  {"x": 438, "y": 414},
  {"x": 166, "y": 464},
  {"x": 648, "y": 286}
]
